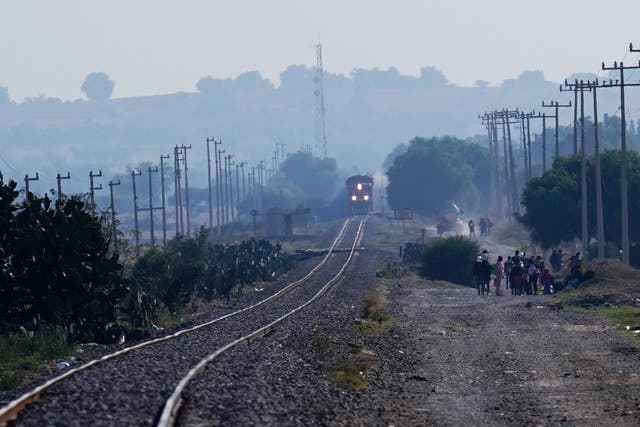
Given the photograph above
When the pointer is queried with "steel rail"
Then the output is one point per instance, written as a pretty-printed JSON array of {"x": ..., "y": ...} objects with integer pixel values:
[
  {"x": 174, "y": 402},
  {"x": 13, "y": 408}
]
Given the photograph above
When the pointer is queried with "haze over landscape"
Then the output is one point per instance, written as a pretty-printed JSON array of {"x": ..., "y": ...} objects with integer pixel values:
[
  {"x": 337, "y": 213},
  {"x": 244, "y": 72}
]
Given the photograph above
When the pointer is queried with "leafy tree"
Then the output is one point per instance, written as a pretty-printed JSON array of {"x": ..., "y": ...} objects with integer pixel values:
[
  {"x": 552, "y": 201},
  {"x": 391, "y": 157},
  {"x": 432, "y": 171},
  {"x": 315, "y": 176},
  {"x": 97, "y": 87}
]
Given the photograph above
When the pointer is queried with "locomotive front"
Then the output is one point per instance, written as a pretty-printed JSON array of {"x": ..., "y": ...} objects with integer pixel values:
[{"x": 360, "y": 193}]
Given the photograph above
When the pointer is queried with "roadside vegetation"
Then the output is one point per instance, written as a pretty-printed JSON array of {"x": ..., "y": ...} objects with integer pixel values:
[
  {"x": 555, "y": 196},
  {"x": 440, "y": 258},
  {"x": 613, "y": 293},
  {"x": 62, "y": 283}
]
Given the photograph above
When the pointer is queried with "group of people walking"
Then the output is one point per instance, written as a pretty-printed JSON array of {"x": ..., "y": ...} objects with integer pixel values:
[
  {"x": 485, "y": 225},
  {"x": 520, "y": 274}
]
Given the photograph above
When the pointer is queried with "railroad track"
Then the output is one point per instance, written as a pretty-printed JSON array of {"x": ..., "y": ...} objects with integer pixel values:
[
  {"x": 171, "y": 409},
  {"x": 18, "y": 406}
]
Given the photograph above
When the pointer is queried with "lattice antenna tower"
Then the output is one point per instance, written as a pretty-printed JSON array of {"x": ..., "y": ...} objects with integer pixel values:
[{"x": 320, "y": 132}]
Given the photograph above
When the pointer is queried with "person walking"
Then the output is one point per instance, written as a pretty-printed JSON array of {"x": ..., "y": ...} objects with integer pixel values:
[
  {"x": 472, "y": 228},
  {"x": 499, "y": 276},
  {"x": 486, "y": 273},
  {"x": 477, "y": 274}
]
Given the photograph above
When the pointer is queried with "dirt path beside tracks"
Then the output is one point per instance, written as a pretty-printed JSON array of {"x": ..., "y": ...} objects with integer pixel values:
[{"x": 470, "y": 360}]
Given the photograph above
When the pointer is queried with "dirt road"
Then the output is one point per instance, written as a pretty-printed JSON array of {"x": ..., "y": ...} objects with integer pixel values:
[{"x": 495, "y": 361}]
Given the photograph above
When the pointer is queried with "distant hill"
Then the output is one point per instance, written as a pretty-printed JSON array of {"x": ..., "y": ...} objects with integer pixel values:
[{"x": 368, "y": 114}]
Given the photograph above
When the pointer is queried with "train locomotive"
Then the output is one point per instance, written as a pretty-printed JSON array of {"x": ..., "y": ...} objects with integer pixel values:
[{"x": 360, "y": 193}]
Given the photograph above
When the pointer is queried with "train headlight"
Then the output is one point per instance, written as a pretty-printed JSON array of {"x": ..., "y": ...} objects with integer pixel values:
[
  {"x": 359, "y": 186},
  {"x": 354, "y": 198},
  {"x": 366, "y": 197}
]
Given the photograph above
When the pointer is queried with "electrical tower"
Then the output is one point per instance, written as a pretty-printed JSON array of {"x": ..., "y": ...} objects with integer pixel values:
[{"x": 320, "y": 132}]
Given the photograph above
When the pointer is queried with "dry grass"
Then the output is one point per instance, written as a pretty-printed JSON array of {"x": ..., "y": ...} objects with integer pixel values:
[{"x": 611, "y": 278}]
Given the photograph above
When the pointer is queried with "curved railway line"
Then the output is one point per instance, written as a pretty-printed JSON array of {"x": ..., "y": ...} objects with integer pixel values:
[
  {"x": 170, "y": 410},
  {"x": 105, "y": 397}
]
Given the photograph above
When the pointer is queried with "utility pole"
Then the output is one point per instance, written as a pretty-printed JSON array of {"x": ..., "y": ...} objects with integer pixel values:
[
  {"x": 227, "y": 161},
  {"x": 238, "y": 187},
  {"x": 175, "y": 188},
  {"x": 135, "y": 210},
  {"x": 59, "y": 178},
  {"x": 186, "y": 186},
  {"x": 164, "y": 206},
  {"x": 599, "y": 209},
  {"x": 624, "y": 196},
  {"x": 27, "y": 179},
  {"x": 252, "y": 187},
  {"x": 523, "y": 128},
  {"x": 544, "y": 117},
  {"x": 583, "y": 178},
  {"x": 244, "y": 189},
  {"x": 261, "y": 183},
  {"x": 556, "y": 105},
  {"x": 485, "y": 121},
  {"x": 514, "y": 188},
  {"x": 209, "y": 183},
  {"x": 573, "y": 88},
  {"x": 492, "y": 129},
  {"x": 230, "y": 204},
  {"x": 506, "y": 169},
  {"x": 218, "y": 195},
  {"x": 529, "y": 146},
  {"x": 222, "y": 188},
  {"x": 580, "y": 86},
  {"x": 178, "y": 185},
  {"x": 151, "y": 208},
  {"x": 93, "y": 188},
  {"x": 112, "y": 207}
]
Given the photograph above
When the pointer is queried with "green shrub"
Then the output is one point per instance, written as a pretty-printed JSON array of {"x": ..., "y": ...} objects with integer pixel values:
[
  {"x": 450, "y": 259},
  {"x": 189, "y": 268},
  {"x": 57, "y": 268}
]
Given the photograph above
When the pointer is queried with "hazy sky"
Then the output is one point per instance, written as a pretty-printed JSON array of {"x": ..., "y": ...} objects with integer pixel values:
[{"x": 159, "y": 46}]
